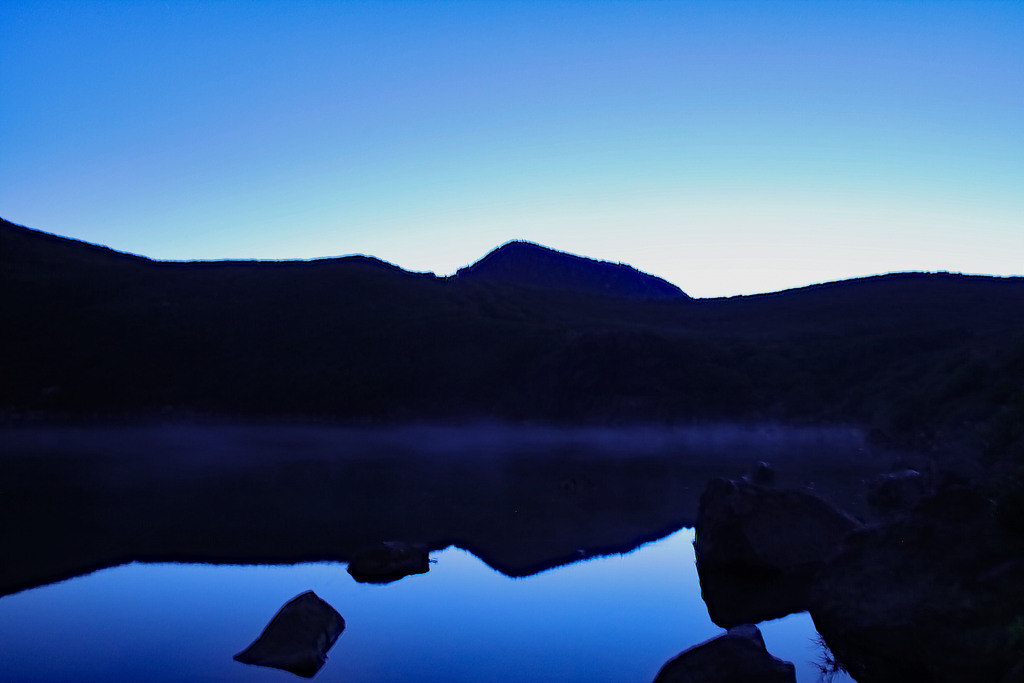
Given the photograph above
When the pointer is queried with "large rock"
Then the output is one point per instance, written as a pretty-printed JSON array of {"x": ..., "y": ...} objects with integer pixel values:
[
  {"x": 298, "y": 637},
  {"x": 936, "y": 596},
  {"x": 758, "y": 548},
  {"x": 896, "y": 492},
  {"x": 737, "y": 656},
  {"x": 389, "y": 561}
]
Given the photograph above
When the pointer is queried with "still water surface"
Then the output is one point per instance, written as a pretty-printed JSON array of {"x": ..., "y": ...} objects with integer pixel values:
[
  {"x": 614, "y": 618},
  {"x": 529, "y": 502}
]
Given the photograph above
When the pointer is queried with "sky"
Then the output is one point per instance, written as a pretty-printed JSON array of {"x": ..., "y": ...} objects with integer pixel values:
[{"x": 729, "y": 147}]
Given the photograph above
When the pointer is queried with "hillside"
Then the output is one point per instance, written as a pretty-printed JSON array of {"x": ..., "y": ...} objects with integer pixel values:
[
  {"x": 531, "y": 265},
  {"x": 526, "y": 333}
]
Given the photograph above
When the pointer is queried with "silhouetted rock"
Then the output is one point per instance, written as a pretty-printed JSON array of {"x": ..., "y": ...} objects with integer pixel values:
[
  {"x": 389, "y": 561},
  {"x": 936, "y": 596},
  {"x": 737, "y": 656},
  {"x": 757, "y": 549},
  {"x": 762, "y": 474},
  {"x": 297, "y": 638},
  {"x": 896, "y": 492}
]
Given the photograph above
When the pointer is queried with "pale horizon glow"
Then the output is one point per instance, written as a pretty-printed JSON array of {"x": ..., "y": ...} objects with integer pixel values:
[{"x": 729, "y": 148}]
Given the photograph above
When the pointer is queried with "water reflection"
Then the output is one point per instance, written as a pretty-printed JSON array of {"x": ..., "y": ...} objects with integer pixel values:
[
  {"x": 617, "y": 618},
  {"x": 528, "y": 502},
  {"x": 523, "y": 500}
]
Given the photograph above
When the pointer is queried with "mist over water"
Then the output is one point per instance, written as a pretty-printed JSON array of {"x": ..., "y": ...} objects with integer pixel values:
[
  {"x": 529, "y": 501},
  {"x": 184, "y": 445}
]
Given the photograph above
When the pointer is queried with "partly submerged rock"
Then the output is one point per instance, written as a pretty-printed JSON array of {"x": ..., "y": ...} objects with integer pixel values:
[
  {"x": 762, "y": 473},
  {"x": 757, "y": 549},
  {"x": 896, "y": 492},
  {"x": 736, "y": 656},
  {"x": 389, "y": 561},
  {"x": 298, "y": 637},
  {"x": 935, "y": 596},
  {"x": 741, "y": 525}
]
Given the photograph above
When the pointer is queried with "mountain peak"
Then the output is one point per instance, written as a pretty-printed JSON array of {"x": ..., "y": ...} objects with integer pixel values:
[{"x": 529, "y": 264}]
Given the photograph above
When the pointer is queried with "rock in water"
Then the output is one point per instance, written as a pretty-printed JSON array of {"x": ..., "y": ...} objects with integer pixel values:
[
  {"x": 389, "y": 561},
  {"x": 936, "y": 596},
  {"x": 298, "y": 637},
  {"x": 763, "y": 474},
  {"x": 896, "y": 492},
  {"x": 736, "y": 656},
  {"x": 757, "y": 549}
]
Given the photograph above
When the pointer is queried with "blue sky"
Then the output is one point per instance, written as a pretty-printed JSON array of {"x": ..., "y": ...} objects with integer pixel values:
[{"x": 730, "y": 147}]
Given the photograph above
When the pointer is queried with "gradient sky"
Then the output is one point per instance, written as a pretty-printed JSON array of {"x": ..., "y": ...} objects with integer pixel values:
[{"x": 729, "y": 147}]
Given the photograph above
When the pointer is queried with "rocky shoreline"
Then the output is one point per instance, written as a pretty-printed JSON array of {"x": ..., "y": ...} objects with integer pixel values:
[{"x": 930, "y": 588}]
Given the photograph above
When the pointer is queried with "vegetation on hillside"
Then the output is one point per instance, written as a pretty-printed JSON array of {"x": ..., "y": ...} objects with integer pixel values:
[{"x": 92, "y": 332}]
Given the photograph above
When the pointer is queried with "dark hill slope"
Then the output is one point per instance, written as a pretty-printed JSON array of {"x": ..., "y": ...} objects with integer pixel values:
[
  {"x": 89, "y": 331},
  {"x": 530, "y": 265},
  {"x": 95, "y": 331},
  {"x": 103, "y": 333},
  {"x": 906, "y": 352}
]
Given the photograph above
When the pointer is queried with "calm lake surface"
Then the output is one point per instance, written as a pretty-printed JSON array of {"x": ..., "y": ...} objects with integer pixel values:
[
  {"x": 182, "y": 543},
  {"x": 616, "y": 618}
]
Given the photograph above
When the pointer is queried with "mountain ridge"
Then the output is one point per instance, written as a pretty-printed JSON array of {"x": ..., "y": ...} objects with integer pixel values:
[
  {"x": 93, "y": 332},
  {"x": 485, "y": 270},
  {"x": 528, "y": 264}
]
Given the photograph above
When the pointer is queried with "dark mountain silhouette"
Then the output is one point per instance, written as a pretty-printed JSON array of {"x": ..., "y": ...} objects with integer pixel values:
[
  {"x": 929, "y": 361},
  {"x": 530, "y": 265},
  {"x": 526, "y": 333}
]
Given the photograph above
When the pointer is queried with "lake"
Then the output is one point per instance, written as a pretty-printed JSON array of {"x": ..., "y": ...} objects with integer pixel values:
[{"x": 561, "y": 555}]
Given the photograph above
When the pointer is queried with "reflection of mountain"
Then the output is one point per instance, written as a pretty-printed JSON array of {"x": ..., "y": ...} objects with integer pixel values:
[
  {"x": 525, "y": 333},
  {"x": 78, "y": 499}
]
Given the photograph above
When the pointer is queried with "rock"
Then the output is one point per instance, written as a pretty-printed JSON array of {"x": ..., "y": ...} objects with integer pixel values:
[
  {"x": 737, "y": 656},
  {"x": 935, "y": 596},
  {"x": 297, "y": 638},
  {"x": 757, "y": 549},
  {"x": 896, "y": 492},
  {"x": 389, "y": 561},
  {"x": 733, "y": 598},
  {"x": 762, "y": 473},
  {"x": 745, "y": 526}
]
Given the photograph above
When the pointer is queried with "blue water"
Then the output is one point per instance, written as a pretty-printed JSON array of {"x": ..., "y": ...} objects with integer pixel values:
[{"x": 616, "y": 618}]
